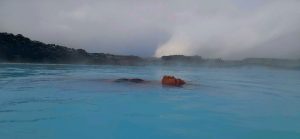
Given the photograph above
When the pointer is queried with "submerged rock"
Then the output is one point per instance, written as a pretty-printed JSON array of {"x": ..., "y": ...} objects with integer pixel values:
[
  {"x": 132, "y": 80},
  {"x": 172, "y": 81}
]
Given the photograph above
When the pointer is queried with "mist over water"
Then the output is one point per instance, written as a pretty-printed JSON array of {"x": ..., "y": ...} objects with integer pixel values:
[{"x": 270, "y": 30}]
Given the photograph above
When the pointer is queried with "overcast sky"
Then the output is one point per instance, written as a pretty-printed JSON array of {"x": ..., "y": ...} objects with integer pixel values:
[{"x": 229, "y": 29}]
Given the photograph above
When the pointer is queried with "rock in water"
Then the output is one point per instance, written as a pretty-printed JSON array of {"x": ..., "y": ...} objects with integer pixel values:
[
  {"x": 172, "y": 81},
  {"x": 132, "y": 80}
]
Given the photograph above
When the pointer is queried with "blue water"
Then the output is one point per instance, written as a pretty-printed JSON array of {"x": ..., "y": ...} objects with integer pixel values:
[{"x": 77, "y": 102}]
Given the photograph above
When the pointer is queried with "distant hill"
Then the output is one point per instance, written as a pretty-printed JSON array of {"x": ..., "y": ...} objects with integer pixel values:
[
  {"x": 199, "y": 61},
  {"x": 17, "y": 48}
]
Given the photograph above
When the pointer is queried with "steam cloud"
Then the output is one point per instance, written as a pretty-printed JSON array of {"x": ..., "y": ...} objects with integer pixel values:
[
  {"x": 229, "y": 29},
  {"x": 271, "y": 30}
]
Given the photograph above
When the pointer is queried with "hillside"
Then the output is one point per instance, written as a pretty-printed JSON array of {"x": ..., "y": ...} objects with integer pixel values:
[{"x": 17, "y": 48}]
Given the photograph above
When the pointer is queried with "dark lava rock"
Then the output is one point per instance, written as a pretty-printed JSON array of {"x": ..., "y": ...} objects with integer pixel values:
[{"x": 132, "y": 80}]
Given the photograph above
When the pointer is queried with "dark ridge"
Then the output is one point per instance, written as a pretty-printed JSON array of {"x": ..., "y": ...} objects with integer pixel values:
[
  {"x": 19, "y": 49},
  {"x": 199, "y": 61}
]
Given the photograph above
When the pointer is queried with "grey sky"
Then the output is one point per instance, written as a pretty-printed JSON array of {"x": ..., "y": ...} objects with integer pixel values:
[{"x": 230, "y": 29}]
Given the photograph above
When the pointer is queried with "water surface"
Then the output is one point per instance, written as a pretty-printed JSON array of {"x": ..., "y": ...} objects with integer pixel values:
[{"x": 76, "y": 101}]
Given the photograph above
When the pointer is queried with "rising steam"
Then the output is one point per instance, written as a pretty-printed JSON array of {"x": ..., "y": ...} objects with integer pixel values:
[{"x": 268, "y": 31}]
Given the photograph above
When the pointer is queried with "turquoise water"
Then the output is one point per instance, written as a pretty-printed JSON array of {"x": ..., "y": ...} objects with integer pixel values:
[{"x": 76, "y": 102}]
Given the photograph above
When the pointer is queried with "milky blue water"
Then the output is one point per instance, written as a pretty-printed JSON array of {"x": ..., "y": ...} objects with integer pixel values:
[{"x": 77, "y": 102}]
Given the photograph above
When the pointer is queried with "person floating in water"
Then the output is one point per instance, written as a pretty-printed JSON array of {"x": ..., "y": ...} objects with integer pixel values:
[
  {"x": 172, "y": 81},
  {"x": 166, "y": 80}
]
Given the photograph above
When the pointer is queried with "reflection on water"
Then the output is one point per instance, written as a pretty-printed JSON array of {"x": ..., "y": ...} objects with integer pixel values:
[{"x": 80, "y": 101}]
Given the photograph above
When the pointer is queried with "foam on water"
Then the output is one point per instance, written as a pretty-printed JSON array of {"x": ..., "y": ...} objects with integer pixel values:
[{"x": 73, "y": 101}]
